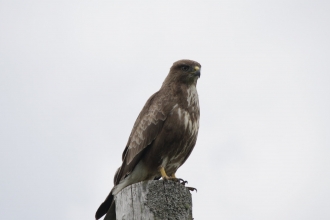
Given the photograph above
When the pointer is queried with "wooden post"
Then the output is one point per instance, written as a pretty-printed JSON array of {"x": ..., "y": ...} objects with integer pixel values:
[{"x": 154, "y": 200}]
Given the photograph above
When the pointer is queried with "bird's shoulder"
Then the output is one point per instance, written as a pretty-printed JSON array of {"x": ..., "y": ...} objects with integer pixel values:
[{"x": 149, "y": 122}]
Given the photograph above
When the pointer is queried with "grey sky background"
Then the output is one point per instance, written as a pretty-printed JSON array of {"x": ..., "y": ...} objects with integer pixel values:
[{"x": 75, "y": 74}]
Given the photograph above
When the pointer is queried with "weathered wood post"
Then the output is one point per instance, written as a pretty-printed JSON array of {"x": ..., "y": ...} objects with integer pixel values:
[{"x": 154, "y": 200}]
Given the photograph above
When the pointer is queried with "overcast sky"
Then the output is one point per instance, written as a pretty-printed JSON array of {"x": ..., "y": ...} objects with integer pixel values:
[{"x": 75, "y": 74}]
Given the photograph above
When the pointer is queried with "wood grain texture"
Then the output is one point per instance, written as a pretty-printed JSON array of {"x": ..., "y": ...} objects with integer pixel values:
[{"x": 154, "y": 200}]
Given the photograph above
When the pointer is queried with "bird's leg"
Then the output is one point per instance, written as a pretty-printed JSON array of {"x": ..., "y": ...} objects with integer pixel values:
[
  {"x": 163, "y": 173},
  {"x": 165, "y": 177},
  {"x": 174, "y": 178}
]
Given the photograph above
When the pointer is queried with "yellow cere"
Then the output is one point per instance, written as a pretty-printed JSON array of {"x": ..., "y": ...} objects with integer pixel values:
[{"x": 196, "y": 68}]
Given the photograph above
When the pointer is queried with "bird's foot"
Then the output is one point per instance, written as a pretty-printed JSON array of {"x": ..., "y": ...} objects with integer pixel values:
[
  {"x": 172, "y": 179},
  {"x": 179, "y": 180}
]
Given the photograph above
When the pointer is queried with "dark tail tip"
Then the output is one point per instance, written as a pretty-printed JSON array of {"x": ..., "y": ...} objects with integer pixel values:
[{"x": 104, "y": 207}]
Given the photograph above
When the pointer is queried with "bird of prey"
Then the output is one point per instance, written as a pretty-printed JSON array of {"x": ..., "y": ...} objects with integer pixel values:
[{"x": 163, "y": 136}]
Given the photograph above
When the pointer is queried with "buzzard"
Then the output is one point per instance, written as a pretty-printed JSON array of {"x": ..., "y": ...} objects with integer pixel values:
[{"x": 163, "y": 136}]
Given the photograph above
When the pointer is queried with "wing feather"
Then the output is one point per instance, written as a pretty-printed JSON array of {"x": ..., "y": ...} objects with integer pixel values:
[{"x": 146, "y": 128}]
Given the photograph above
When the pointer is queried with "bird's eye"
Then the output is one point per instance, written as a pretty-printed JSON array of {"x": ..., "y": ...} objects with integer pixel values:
[{"x": 185, "y": 68}]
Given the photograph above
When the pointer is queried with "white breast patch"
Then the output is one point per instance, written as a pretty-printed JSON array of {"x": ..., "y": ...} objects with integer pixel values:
[
  {"x": 189, "y": 124},
  {"x": 192, "y": 97}
]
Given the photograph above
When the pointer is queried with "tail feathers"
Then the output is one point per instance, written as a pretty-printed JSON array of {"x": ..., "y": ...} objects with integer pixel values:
[
  {"x": 105, "y": 206},
  {"x": 111, "y": 214}
]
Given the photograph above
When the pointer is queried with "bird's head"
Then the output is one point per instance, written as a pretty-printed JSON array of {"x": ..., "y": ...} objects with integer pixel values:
[{"x": 184, "y": 72}]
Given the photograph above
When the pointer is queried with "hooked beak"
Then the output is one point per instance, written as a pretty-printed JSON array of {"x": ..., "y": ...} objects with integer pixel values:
[{"x": 197, "y": 72}]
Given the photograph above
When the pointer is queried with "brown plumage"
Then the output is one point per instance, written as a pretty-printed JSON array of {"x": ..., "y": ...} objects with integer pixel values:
[{"x": 164, "y": 134}]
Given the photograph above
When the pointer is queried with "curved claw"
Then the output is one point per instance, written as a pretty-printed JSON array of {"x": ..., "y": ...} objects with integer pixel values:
[
  {"x": 176, "y": 180},
  {"x": 183, "y": 182},
  {"x": 191, "y": 188}
]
